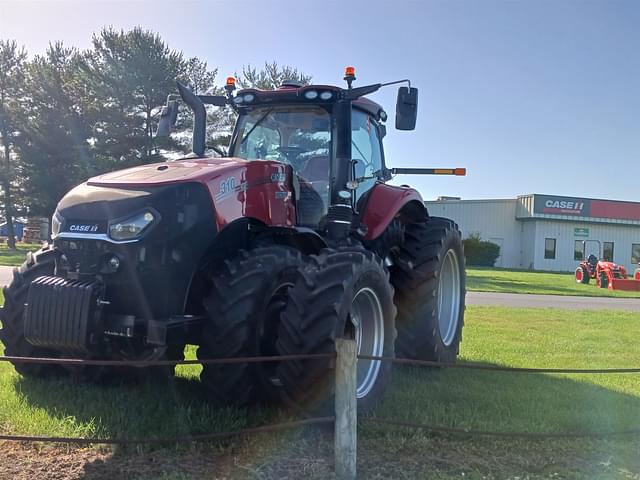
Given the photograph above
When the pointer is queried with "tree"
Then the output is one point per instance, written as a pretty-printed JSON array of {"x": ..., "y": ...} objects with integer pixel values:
[
  {"x": 11, "y": 71},
  {"x": 54, "y": 148},
  {"x": 270, "y": 77},
  {"x": 130, "y": 74}
]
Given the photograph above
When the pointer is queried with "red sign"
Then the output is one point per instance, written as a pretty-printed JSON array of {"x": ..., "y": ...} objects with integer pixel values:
[{"x": 617, "y": 210}]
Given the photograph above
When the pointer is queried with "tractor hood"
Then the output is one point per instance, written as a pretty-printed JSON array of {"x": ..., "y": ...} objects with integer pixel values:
[
  {"x": 200, "y": 170},
  {"x": 231, "y": 188}
]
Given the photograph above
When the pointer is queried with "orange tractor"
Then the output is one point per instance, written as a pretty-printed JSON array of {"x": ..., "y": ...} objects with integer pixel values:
[{"x": 606, "y": 274}]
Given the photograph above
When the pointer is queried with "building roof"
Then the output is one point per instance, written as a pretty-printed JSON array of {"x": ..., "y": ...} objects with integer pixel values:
[{"x": 582, "y": 209}]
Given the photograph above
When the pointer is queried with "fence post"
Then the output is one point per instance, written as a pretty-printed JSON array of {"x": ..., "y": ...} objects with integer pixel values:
[{"x": 345, "y": 438}]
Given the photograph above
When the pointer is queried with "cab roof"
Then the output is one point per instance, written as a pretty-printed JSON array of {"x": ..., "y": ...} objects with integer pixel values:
[{"x": 288, "y": 87}]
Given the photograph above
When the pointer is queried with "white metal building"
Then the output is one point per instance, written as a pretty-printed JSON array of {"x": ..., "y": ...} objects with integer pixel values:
[{"x": 546, "y": 232}]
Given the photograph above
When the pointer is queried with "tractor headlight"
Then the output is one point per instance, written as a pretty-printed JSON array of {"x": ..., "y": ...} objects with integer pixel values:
[
  {"x": 132, "y": 227},
  {"x": 56, "y": 225}
]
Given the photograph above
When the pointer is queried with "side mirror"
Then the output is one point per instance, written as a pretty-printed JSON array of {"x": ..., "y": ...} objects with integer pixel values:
[
  {"x": 168, "y": 117},
  {"x": 407, "y": 108}
]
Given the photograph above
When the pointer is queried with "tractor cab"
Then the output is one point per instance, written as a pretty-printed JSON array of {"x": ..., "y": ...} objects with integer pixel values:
[
  {"x": 330, "y": 137},
  {"x": 302, "y": 135}
]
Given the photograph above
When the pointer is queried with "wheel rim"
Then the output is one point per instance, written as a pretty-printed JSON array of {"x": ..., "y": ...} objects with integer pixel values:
[
  {"x": 449, "y": 298},
  {"x": 579, "y": 275},
  {"x": 368, "y": 321}
]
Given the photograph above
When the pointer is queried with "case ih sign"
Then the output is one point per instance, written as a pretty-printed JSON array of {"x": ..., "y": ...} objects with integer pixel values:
[{"x": 586, "y": 207}]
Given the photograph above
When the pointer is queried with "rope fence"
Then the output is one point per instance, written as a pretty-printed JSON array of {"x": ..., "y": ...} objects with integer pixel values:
[
  {"x": 345, "y": 420},
  {"x": 313, "y": 356}
]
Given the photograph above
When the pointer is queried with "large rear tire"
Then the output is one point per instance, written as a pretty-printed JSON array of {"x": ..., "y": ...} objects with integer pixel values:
[
  {"x": 582, "y": 275},
  {"x": 429, "y": 281},
  {"x": 37, "y": 264},
  {"x": 243, "y": 310},
  {"x": 342, "y": 293}
]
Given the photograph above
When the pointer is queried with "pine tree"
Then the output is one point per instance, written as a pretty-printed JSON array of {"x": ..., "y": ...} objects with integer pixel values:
[
  {"x": 54, "y": 148},
  {"x": 130, "y": 74},
  {"x": 270, "y": 77},
  {"x": 12, "y": 61}
]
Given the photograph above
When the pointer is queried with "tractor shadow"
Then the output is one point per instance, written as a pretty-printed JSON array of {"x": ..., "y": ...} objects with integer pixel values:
[
  {"x": 453, "y": 397},
  {"x": 470, "y": 399},
  {"x": 512, "y": 401}
]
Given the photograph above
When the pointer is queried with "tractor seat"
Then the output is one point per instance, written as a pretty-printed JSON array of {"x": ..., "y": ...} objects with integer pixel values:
[
  {"x": 316, "y": 169},
  {"x": 592, "y": 260}
]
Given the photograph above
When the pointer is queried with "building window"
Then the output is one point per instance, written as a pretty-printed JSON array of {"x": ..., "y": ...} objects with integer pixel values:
[
  {"x": 578, "y": 250},
  {"x": 635, "y": 253},
  {"x": 607, "y": 251},
  {"x": 550, "y": 248}
]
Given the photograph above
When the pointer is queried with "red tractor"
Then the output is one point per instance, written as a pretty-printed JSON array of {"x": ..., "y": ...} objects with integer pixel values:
[
  {"x": 605, "y": 273},
  {"x": 291, "y": 239}
]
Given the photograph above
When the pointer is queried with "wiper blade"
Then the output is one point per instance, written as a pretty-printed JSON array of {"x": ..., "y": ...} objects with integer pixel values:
[{"x": 255, "y": 125}]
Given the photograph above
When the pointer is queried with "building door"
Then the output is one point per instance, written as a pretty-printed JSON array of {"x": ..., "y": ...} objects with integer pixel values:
[{"x": 500, "y": 243}]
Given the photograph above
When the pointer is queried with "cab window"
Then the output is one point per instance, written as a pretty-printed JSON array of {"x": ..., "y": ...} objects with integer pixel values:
[{"x": 365, "y": 151}]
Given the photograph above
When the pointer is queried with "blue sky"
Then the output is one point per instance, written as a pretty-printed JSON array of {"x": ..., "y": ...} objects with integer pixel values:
[{"x": 536, "y": 96}]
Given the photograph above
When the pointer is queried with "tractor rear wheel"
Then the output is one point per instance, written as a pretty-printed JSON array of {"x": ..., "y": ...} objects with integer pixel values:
[
  {"x": 243, "y": 310},
  {"x": 582, "y": 276},
  {"x": 342, "y": 293},
  {"x": 37, "y": 264},
  {"x": 429, "y": 281}
]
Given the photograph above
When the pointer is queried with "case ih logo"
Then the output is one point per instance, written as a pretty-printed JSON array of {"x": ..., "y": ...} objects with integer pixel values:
[
  {"x": 562, "y": 206},
  {"x": 579, "y": 207},
  {"x": 84, "y": 228}
]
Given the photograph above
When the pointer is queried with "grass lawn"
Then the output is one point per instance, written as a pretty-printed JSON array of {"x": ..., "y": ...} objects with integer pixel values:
[
  {"x": 522, "y": 281},
  {"x": 469, "y": 399},
  {"x": 13, "y": 258}
]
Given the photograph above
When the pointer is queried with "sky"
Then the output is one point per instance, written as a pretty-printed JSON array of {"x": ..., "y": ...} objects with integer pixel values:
[{"x": 533, "y": 96}]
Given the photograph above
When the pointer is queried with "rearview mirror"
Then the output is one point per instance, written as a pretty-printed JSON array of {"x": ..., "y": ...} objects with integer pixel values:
[
  {"x": 407, "y": 108},
  {"x": 168, "y": 117}
]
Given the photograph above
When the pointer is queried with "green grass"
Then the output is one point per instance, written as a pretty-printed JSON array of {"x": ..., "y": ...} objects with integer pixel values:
[
  {"x": 468, "y": 399},
  {"x": 522, "y": 281},
  {"x": 13, "y": 258}
]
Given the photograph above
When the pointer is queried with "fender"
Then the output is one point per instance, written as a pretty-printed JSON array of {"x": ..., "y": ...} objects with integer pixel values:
[{"x": 384, "y": 202}]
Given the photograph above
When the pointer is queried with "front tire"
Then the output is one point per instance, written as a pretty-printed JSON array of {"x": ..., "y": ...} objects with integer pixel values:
[
  {"x": 37, "y": 264},
  {"x": 603, "y": 280},
  {"x": 429, "y": 281},
  {"x": 243, "y": 309},
  {"x": 343, "y": 293}
]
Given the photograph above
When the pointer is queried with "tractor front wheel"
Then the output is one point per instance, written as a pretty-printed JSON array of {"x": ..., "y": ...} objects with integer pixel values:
[
  {"x": 343, "y": 293},
  {"x": 603, "y": 280},
  {"x": 243, "y": 309},
  {"x": 37, "y": 264}
]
